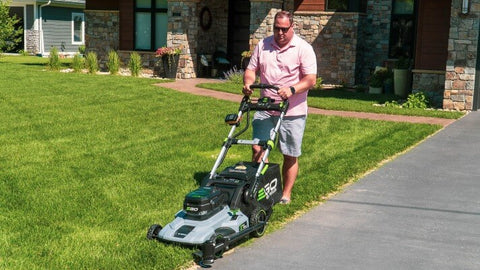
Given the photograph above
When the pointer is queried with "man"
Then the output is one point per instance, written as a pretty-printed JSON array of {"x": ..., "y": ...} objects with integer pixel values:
[{"x": 289, "y": 62}]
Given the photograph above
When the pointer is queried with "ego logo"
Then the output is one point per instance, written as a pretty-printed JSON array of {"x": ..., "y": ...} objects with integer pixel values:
[{"x": 268, "y": 190}]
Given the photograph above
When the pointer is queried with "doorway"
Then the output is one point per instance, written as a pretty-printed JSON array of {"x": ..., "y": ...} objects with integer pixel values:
[{"x": 238, "y": 30}]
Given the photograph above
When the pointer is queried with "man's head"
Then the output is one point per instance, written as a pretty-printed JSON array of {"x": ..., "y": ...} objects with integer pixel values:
[{"x": 282, "y": 28}]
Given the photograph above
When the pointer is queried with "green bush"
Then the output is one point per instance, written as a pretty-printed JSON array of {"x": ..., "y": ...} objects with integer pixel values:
[
  {"x": 77, "y": 63},
  {"x": 318, "y": 83},
  {"x": 113, "y": 62},
  {"x": 92, "y": 63},
  {"x": 81, "y": 49},
  {"x": 53, "y": 59},
  {"x": 417, "y": 100},
  {"x": 135, "y": 64}
]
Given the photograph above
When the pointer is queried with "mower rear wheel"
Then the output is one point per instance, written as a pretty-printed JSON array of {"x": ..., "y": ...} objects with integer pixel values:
[
  {"x": 258, "y": 216},
  {"x": 153, "y": 231}
]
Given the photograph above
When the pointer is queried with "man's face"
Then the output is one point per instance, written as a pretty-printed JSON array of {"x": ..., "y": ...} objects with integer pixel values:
[{"x": 282, "y": 31}]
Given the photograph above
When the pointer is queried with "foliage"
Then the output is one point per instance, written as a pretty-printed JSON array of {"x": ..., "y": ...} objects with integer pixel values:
[
  {"x": 167, "y": 51},
  {"x": 82, "y": 49},
  {"x": 10, "y": 35},
  {"x": 318, "y": 83},
  {"x": 92, "y": 63},
  {"x": 403, "y": 63},
  {"x": 53, "y": 59},
  {"x": 417, "y": 100},
  {"x": 135, "y": 64},
  {"x": 379, "y": 76},
  {"x": 77, "y": 63},
  {"x": 234, "y": 75},
  {"x": 113, "y": 62}
]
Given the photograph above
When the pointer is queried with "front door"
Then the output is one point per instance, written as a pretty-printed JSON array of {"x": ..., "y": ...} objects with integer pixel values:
[
  {"x": 433, "y": 29},
  {"x": 238, "y": 30}
]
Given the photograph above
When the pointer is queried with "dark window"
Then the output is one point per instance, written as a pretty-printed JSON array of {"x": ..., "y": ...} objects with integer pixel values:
[
  {"x": 402, "y": 29},
  {"x": 151, "y": 24},
  {"x": 347, "y": 5}
]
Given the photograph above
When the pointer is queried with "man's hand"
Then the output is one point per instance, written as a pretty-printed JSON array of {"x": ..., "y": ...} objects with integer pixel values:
[
  {"x": 285, "y": 93},
  {"x": 246, "y": 90}
]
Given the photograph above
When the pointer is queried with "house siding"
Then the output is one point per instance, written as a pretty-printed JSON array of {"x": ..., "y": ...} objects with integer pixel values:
[{"x": 57, "y": 28}]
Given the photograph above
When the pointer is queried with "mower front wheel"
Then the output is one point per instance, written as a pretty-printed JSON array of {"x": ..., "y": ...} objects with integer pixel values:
[
  {"x": 258, "y": 216},
  {"x": 153, "y": 231}
]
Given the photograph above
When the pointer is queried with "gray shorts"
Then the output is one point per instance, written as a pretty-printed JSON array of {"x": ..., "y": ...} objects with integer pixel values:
[{"x": 290, "y": 133}]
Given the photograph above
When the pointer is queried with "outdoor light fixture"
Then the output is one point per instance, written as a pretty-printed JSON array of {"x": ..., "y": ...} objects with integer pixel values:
[{"x": 465, "y": 6}]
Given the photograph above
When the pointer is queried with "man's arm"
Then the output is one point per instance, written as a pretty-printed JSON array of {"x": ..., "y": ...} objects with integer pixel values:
[
  {"x": 303, "y": 85},
  {"x": 248, "y": 79}
]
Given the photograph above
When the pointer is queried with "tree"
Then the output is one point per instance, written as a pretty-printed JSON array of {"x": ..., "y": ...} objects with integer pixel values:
[{"x": 10, "y": 36}]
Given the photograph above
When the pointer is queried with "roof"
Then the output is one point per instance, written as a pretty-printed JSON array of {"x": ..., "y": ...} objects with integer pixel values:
[{"x": 80, "y": 3}]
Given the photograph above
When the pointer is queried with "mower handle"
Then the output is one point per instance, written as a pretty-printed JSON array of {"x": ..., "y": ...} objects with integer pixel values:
[{"x": 264, "y": 86}]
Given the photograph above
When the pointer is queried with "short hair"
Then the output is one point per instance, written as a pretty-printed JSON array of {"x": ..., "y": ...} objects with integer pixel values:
[{"x": 284, "y": 14}]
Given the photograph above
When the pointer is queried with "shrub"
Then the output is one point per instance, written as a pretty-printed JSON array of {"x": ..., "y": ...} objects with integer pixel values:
[
  {"x": 81, "y": 49},
  {"x": 53, "y": 59},
  {"x": 318, "y": 83},
  {"x": 92, "y": 62},
  {"x": 135, "y": 64},
  {"x": 77, "y": 63},
  {"x": 417, "y": 100},
  {"x": 234, "y": 75},
  {"x": 113, "y": 62}
]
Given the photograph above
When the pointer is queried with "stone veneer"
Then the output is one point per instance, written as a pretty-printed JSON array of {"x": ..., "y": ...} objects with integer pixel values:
[
  {"x": 32, "y": 41},
  {"x": 102, "y": 33},
  {"x": 462, "y": 57}
]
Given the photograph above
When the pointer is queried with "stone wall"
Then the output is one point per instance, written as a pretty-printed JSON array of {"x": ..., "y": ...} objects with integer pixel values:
[
  {"x": 102, "y": 33},
  {"x": 462, "y": 56},
  {"x": 334, "y": 37},
  {"x": 32, "y": 41}
]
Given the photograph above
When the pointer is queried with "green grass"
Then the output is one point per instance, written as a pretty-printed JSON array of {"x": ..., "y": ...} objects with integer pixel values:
[
  {"x": 344, "y": 100},
  {"x": 89, "y": 162}
]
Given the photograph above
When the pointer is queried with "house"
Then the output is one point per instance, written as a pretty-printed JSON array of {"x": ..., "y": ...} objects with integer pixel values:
[
  {"x": 47, "y": 24},
  {"x": 350, "y": 37}
]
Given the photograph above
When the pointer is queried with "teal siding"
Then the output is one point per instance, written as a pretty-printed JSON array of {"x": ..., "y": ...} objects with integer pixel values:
[{"x": 57, "y": 28}]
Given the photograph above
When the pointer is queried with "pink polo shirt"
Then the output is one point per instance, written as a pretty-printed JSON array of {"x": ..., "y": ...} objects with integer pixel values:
[{"x": 284, "y": 67}]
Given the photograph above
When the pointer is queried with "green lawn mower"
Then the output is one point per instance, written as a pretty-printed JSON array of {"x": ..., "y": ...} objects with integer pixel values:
[{"x": 235, "y": 203}]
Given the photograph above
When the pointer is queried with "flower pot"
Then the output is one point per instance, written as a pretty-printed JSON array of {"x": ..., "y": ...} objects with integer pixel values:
[
  {"x": 401, "y": 82},
  {"x": 374, "y": 90},
  {"x": 170, "y": 64}
]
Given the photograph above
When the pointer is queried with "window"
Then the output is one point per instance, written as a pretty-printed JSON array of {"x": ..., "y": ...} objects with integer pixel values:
[
  {"x": 402, "y": 29},
  {"x": 347, "y": 5},
  {"x": 151, "y": 22},
  {"x": 78, "y": 28}
]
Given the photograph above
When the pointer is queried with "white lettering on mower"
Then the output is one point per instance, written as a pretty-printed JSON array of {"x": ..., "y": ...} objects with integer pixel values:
[{"x": 271, "y": 188}]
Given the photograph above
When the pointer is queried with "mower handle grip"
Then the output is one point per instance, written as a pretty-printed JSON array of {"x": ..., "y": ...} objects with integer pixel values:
[{"x": 264, "y": 86}]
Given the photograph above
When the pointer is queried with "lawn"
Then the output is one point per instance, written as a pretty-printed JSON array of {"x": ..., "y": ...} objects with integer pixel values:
[
  {"x": 89, "y": 162},
  {"x": 346, "y": 100}
]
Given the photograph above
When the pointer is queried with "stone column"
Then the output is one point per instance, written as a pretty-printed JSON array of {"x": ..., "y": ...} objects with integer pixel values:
[
  {"x": 182, "y": 32},
  {"x": 462, "y": 56}
]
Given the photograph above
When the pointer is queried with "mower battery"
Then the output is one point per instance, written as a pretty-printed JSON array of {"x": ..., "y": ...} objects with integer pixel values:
[{"x": 203, "y": 203}]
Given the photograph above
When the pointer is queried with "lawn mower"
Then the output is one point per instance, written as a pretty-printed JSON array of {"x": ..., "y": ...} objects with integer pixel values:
[{"x": 235, "y": 203}]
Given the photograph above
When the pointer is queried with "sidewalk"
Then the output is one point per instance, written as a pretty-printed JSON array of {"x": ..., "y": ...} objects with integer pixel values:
[
  {"x": 189, "y": 86},
  {"x": 419, "y": 211}
]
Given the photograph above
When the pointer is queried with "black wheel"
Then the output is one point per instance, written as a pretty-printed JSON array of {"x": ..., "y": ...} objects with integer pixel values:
[
  {"x": 258, "y": 216},
  {"x": 153, "y": 231},
  {"x": 214, "y": 238}
]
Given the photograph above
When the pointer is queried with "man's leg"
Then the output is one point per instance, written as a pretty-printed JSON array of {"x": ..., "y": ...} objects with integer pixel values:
[
  {"x": 290, "y": 171},
  {"x": 257, "y": 153}
]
